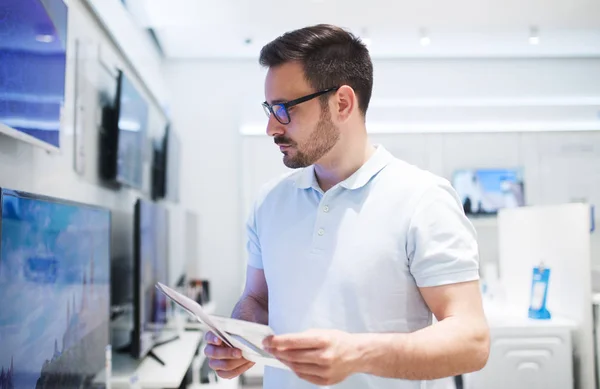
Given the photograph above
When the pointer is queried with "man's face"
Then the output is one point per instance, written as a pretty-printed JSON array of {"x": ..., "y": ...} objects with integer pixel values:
[{"x": 310, "y": 133}]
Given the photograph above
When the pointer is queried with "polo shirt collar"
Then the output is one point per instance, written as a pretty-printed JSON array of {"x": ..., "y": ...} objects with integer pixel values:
[{"x": 380, "y": 159}]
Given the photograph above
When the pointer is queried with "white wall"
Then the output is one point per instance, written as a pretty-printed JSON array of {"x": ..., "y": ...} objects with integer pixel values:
[
  {"x": 212, "y": 99},
  {"x": 481, "y": 94},
  {"x": 129, "y": 37},
  {"x": 207, "y": 100}
]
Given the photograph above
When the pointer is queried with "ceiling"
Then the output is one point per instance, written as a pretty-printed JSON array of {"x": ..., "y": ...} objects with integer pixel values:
[{"x": 393, "y": 28}]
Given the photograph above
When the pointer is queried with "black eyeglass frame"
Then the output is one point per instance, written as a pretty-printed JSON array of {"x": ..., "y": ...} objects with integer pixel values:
[{"x": 269, "y": 108}]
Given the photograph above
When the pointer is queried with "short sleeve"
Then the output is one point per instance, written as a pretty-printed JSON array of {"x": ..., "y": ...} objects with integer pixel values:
[
  {"x": 253, "y": 243},
  {"x": 441, "y": 243}
]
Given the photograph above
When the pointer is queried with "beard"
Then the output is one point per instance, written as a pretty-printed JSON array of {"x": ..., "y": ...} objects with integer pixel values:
[{"x": 322, "y": 139}]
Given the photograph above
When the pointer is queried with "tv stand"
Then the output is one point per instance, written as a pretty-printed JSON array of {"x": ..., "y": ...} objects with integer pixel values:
[
  {"x": 164, "y": 367},
  {"x": 158, "y": 344},
  {"x": 153, "y": 355}
]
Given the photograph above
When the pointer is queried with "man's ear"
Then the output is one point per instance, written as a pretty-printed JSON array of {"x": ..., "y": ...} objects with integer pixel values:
[{"x": 345, "y": 103}]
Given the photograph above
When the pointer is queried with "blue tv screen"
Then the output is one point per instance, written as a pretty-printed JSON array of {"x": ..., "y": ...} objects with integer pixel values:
[
  {"x": 132, "y": 124},
  {"x": 151, "y": 266},
  {"x": 486, "y": 191},
  {"x": 55, "y": 292},
  {"x": 33, "y": 41}
]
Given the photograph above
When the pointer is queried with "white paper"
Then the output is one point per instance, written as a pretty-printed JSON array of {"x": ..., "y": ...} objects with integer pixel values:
[{"x": 243, "y": 335}]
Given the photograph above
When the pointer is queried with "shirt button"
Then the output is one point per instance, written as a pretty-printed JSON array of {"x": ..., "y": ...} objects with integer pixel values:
[
  {"x": 326, "y": 208},
  {"x": 321, "y": 232}
]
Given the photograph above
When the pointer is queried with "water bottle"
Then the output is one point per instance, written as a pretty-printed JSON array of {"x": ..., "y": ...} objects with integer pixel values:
[{"x": 108, "y": 365}]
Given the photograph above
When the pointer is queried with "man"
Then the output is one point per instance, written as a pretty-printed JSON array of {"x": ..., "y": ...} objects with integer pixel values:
[{"x": 350, "y": 254}]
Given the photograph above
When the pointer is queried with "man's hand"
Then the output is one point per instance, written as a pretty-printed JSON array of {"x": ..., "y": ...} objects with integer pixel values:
[
  {"x": 323, "y": 357},
  {"x": 227, "y": 362}
]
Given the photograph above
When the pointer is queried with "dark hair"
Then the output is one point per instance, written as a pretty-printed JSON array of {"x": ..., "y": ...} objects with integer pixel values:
[{"x": 330, "y": 56}]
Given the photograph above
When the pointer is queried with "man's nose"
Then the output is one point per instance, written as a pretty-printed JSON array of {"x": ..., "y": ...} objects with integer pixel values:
[{"x": 274, "y": 127}]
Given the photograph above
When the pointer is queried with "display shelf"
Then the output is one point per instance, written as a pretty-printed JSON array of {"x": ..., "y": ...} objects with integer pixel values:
[
  {"x": 484, "y": 222},
  {"x": 149, "y": 373}
]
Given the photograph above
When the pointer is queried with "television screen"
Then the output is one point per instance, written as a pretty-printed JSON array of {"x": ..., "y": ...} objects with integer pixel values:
[
  {"x": 159, "y": 166},
  {"x": 54, "y": 288},
  {"x": 173, "y": 165},
  {"x": 121, "y": 279},
  {"x": 150, "y": 267},
  {"x": 132, "y": 127},
  {"x": 485, "y": 191},
  {"x": 33, "y": 41},
  {"x": 121, "y": 259}
]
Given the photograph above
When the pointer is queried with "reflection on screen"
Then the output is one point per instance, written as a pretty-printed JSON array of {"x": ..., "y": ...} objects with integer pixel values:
[
  {"x": 153, "y": 267},
  {"x": 133, "y": 119},
  {"x": 54, "y": 288},
  {"x": 32, "y": 66},
  {"x": 485, "y": 191}
]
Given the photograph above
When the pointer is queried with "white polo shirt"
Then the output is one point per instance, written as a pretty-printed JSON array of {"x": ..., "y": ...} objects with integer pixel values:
[{"x": 352, "y": 258}]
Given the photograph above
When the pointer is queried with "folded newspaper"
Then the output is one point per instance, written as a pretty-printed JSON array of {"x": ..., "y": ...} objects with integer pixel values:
[{"x": 243, "y": 335}]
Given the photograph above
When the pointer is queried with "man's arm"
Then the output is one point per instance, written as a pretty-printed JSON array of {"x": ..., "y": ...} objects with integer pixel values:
[
  {"x": 457, "y": 344},
  {"x": 254, "y": 304},
  {"x": 226, "y": 361}
]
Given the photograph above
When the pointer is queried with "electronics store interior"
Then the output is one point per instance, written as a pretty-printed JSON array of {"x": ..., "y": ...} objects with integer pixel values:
[{"x": 133, "y": 148}]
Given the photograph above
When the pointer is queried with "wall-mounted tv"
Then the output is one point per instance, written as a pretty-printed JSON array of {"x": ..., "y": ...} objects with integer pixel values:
[
  {"x": 33, "y": 58},
  {"x": 150, "y": 267},
  {"x": 173, "y": 165},
  {"x": 485, "y": 191},
  {"x": 55, "y": 292},
  {"x": 124, "y": 129},
  {"x": 159, "y": 166},
  {"x": 121, "y": 259}
]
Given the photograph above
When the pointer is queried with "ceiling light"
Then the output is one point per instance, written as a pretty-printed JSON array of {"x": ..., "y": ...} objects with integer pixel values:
[
  {"x": 424, "y": 39},
  {"x": 365, "y": 38},
  {"x": 44, "y": 38},
  {"x": 534, "y": 36}
]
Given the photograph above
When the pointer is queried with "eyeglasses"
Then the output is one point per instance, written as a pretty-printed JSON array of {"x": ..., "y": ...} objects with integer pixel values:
[{"x": 280, "y": 110}]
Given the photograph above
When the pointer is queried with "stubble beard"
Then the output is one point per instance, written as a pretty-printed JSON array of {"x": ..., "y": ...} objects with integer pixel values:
[{"x": 320, "y": 142}]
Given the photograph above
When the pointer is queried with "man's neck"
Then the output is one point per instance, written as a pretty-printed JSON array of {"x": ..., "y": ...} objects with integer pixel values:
[{"x": 337, "y": 168}]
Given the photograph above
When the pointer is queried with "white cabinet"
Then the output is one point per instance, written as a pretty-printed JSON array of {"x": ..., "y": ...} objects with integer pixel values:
[{"x": 527, "y": 355}]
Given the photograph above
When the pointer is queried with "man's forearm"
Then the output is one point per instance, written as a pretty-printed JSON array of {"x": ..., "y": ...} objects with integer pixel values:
[
  {"x": 252, "y": 309},
  {"x": 445, "y": 349}
]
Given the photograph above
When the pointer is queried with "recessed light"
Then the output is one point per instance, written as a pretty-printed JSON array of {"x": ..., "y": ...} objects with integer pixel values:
[
  {"x": 364, "y": 37},
  {"x": 534, "y": 36},
  {"x": 424, "y": 39},
  {"x": 44, "y": 38}
]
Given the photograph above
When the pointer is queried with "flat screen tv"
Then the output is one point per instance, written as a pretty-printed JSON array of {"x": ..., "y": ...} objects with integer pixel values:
[
  {"x": 159, "y": 166},
  {"x": 55, "y": 292},
  {"x": 485, "y": 191},
  {"x": 124, "y": 129},
  {"x": 150, "y": 267},
  {"x": 121, "y": 268},
  {"x": 33, "y": 57},
  {"x": 173, "y": 165},
  {"x": 121, "y": 277}
]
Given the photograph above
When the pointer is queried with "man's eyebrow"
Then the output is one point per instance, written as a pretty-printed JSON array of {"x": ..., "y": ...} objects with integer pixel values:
[{"x": 278, "y": 101}]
